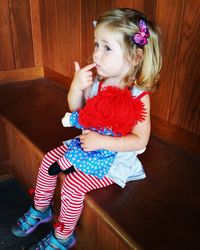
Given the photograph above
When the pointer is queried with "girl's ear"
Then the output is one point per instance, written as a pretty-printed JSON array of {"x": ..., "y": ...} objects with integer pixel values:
[{"x": 138, "y": 56}]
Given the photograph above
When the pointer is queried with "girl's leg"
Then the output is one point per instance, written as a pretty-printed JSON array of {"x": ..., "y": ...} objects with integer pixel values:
[
  {"x": 74, "y": 188},
  {"x": 46, "y": 184},
  {"x": 41, "y": 212}
]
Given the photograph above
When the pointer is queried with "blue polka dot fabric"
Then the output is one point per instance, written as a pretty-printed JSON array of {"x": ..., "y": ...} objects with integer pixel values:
[
  {"x": 97, "y": 162},
  {"x": 74, "y": 120}
]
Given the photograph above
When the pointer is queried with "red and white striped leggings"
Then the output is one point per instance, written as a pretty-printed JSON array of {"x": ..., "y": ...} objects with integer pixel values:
[{"x": 74, "y": 188}]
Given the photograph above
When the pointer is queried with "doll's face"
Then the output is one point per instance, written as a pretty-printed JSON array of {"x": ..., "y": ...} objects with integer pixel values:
[{"x": 108, "y": 55}]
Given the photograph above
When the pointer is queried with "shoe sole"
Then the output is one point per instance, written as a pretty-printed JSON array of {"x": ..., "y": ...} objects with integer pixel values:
[
  {"x": 73, "y": 244},
  {"x": 28, "y": 232}
]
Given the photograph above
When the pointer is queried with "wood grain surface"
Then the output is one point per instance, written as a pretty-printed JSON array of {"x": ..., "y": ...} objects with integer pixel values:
[{"x": 55, "y": 33}]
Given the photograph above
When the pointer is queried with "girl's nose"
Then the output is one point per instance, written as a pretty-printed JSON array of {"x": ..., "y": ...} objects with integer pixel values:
[{"x": 97, "y": 53}]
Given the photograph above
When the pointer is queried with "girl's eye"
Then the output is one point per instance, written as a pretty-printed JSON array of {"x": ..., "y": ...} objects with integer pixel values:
[
  {"x": 96, "y": 45},
  {"x": 107, "y": 48}
]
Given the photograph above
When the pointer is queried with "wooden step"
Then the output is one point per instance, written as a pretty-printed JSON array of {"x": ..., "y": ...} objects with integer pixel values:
[{"x": 159, "y": 212}]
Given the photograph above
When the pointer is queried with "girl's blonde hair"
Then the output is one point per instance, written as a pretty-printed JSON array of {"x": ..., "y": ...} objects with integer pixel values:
[{"x": 125, "y": 21}]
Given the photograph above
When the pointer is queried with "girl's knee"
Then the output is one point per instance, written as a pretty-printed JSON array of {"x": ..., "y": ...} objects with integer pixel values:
[{"x": 71, "y": 188}]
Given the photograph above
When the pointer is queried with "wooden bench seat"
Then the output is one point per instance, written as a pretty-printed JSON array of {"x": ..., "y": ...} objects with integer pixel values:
[{"x": 159, "y": 212}]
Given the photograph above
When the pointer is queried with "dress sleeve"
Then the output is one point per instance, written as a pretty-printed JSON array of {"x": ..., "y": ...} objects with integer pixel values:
[
  {"x": 94, "y": 88},
  {"x": 74, "y": 120}
]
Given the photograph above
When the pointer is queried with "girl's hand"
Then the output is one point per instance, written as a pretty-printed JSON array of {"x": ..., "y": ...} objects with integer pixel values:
[
  {"x": 90, "y": 140},
  {"x": 83, "y": 77}
]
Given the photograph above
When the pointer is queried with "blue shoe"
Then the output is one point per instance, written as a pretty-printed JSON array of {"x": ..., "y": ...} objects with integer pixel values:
[
  {"x": 50, "y": 242},
  {"x": 30, "y": 220}
]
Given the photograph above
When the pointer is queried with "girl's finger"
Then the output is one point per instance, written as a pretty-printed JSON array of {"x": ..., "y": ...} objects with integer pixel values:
[
  {"x": 86, "y": 131},
  {"x": 77, "y": 66},
  {"x": 88, "y": 67},
  {"x": 89, "y": 79},
  {"x": 89, "y": 73}
]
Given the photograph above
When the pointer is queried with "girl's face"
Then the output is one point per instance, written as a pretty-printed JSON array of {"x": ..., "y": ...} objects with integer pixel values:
[{"x": 108, "y": 55}]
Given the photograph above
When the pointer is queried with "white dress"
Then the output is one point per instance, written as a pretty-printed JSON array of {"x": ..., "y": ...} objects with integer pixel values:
[{"x": 126, "y": 166}]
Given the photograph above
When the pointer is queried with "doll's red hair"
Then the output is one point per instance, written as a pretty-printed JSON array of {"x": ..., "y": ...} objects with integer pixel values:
[{"x": 113, "y": 108}]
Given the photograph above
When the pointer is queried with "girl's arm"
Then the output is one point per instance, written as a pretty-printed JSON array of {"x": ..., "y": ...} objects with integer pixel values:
[
  {"x": 137, "y": 140},
  {"x": 81, "y": 82}
]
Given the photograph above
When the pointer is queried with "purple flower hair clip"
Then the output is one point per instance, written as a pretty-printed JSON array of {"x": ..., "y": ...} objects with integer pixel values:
[{"x": 140, "y": 38}]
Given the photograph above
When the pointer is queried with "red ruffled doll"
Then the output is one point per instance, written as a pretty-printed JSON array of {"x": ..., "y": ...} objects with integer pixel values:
[{"x": 113, "y": 112}]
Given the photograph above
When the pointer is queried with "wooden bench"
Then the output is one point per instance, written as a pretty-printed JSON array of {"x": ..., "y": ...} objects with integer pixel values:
[{"x": 159, "y": 212}]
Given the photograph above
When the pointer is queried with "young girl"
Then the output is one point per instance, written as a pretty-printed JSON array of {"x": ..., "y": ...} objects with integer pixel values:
[{"x": 126, "y": 54}]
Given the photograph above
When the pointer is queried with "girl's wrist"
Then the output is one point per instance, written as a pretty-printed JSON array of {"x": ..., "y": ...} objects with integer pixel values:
[
  {"x": 75, "y": 87},
  {"x": 107, "y": 142}
]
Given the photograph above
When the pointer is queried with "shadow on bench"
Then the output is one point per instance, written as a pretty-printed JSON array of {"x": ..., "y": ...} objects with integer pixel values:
[{"x": 159, "y": 212}]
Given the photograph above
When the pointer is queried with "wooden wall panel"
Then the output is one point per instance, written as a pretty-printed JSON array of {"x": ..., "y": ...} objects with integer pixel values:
[
  {"x": 88, "y": 7},
  {"x": 73, "y": 20},
  {"x": 49, "y": 33},
  {"x": 6, "y": 48},
  {"x": 21, "y": 30},
  {"x": 168, "y": 12},
  {"x": 44, "y": 33},
  {"x": 102, "y": 6},
  {"x": 101, "y": 235},
  {"x": 25, "y": 74},
  {"x": 67, "y": 36},
  {"x": 20, "y": 35},
  {"x": 197, "y": 130},
  {"x": 4, "y": 154},
  {"x": 63, "y": 25},
  {"x": 22, "y": 154},
  {"x": 122, "y": 3},
  {"x": 179, "y": 24},
  {"x": 185, "y": 107},
  {"x": 146, "y": 7},
  {"x": 36, "y": 32},
  {"x": 62, "y": 37}
]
